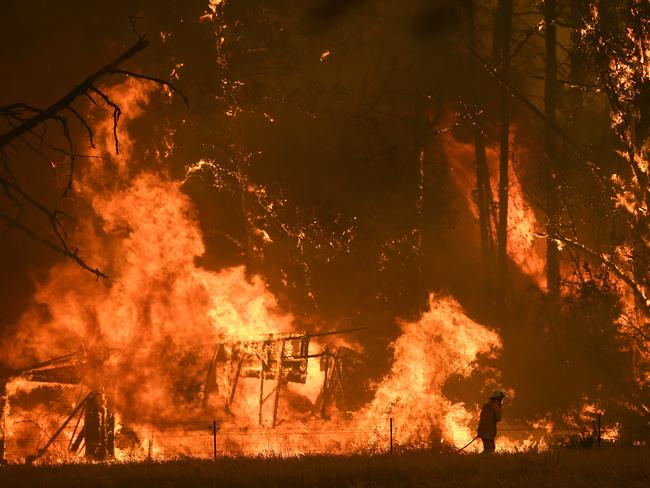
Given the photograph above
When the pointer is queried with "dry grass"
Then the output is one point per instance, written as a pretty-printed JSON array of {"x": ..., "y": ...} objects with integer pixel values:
[{"x": 562, "y": 468}]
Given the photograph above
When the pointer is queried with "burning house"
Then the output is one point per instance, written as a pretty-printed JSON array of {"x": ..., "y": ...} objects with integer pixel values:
[
  {"x": 277, "y": 359},
  {"x": 283, "y": 359}
]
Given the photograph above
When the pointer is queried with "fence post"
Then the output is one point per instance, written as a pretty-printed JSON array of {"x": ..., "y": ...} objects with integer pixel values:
[
  {"x": 599, "y": 415},
  {"x": 391, "y": 434},
  {"x": 214, "y": 439},
  {"x": 150, "y": 448}
]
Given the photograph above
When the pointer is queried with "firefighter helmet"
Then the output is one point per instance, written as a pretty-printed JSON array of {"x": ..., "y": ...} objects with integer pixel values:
[{"x": 498, "y": 394}]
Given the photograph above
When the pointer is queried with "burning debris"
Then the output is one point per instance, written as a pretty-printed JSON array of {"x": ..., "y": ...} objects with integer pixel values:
[
  {"x": 94, "y": 424},
  {"x": 282, "y": 358}
]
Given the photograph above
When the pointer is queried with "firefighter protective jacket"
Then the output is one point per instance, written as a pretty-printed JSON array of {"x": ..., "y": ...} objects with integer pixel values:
[{"x": 490, "y": 415}]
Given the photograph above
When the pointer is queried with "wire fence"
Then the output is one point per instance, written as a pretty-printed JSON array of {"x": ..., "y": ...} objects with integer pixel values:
[{"x": 210, "y": 439}]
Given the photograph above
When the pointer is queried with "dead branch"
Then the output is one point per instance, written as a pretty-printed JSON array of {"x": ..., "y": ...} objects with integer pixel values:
[
  {"x": 65, "y": 251},
  {"x": 26, "y": 121},
  {"x": 80, "y": 90},
  {"x": 604, "y": 260},
  {"x": 159, "y": 81},
  {"x": 117, "y": 113}
]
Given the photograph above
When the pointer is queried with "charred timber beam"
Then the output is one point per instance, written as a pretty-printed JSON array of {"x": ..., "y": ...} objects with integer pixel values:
[
  {"x": 49, "y": 362},
  {"x": 109, "y": 435},
  {"x": 317, "y": 355},
  {"x": 74, "y": 444},
  {"x": 269, "y": 394},
  {"x": 320, "y": 334},
  {"x": 92, "y": 431},
  {"x": 4, "y": 405},
  {"x": 231, "y": 397},
  {"x": 278, "y": 385},
  {"x": 325, "y": 387},
  {"x": 66, "y": 375},
  {"x": 211, "y": 379},
  {"x": 43, "y": 450},
  {"x": 262, "y": 367}
]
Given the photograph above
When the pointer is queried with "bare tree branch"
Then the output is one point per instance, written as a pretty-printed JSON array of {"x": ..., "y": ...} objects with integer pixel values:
[
  {"x": 159, "y": 81},
  {"x": 79, "y": 90},
  {"x": 26, "y": 121},
  {"x": 85, "y": 124},
  {"x": 117, "y": 113},
  {"x": 61, "y": 250}
]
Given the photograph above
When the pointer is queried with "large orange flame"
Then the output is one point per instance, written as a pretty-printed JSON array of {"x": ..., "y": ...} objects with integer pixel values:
[
  {"x": 443, "y": 343},
  {"x": 149, "y": 332},
  {"x": 523, "y": 246}
]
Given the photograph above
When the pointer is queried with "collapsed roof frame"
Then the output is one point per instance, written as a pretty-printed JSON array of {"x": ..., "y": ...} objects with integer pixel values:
[{"x": 281, "y": 358}]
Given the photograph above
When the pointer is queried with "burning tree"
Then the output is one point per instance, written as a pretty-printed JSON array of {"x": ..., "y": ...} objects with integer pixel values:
[{"x": 617, "y": 38}]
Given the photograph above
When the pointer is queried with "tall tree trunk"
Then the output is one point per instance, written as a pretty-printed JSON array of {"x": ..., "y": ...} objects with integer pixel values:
[
  {"x": 420, "y": 229},
  {"x": 484, "y": 198},
  {"x": 503, "y": 33},
  {"x": 578, "y": 9},
  {"x": 252, "y": 254},
  {"x": 550, "y": 107},
  {"x": 483, "y": 187},
  {"x": 4, "y": 408}
]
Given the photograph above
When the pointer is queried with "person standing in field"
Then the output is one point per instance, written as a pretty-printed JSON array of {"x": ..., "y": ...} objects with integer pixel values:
[{"x": 487, "y": 424}]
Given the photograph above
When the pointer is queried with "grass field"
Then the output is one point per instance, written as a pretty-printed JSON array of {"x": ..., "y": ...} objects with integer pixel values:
[{"x": 561, "y": 468}]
